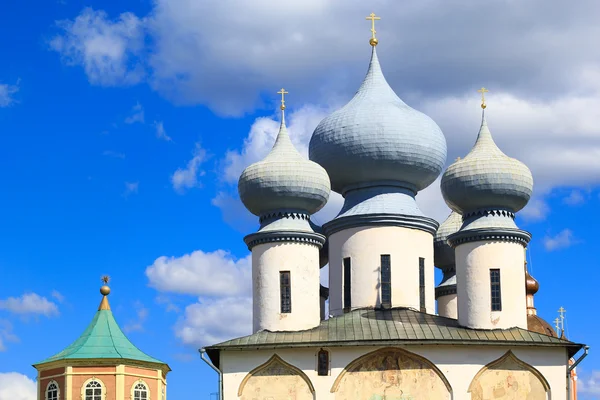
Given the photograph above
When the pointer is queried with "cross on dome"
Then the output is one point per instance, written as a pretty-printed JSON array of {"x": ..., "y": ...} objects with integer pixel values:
[
  {"x": 483, "y": 91},
  {"x": 282, "y": 92},
  {"x": 373, "y": 18}
]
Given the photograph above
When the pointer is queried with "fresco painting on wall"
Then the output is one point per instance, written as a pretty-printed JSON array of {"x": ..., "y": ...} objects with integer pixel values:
[
  {"x": 508, "y": 379},
  {"x": 275, "y": 380},
  {"x": 390, "y": 374}
]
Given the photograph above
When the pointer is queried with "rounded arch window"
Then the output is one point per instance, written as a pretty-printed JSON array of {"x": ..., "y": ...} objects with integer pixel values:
[
  {"x": 52, "y": 391},
  {"x": 93, "y": 390},
  {"x": 140, "y": 391}
]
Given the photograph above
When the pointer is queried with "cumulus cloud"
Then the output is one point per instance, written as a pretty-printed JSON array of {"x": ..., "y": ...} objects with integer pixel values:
[
  {"x": 6, "y": 334},
  {"x": 6, "y": 94},
  {"x": 136, "y": 115},
  {"x": 574, "y": 198},
  {"x": 589, "y": 383},
  {"x": 29, "y": 304},
  {"x": 16, "y": 386},
  {"x": 186, "y": 178},
  {"x": 160, "y": 131},
  {"x": 561, "y": 240},
  {"x": 217, "y": 273},
  {"x": 108, "y": 50},
  {"x": 137, "y": 324}
]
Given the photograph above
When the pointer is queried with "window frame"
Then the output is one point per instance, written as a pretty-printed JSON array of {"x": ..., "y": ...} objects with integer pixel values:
[
  {"x": 146, "y": 386},
  {"x": 422, "y": 299},
  {"x": 48, "y": 388},
  {"x": 282, "y": 299},
  {"x": 319, "y": 365},
  {"x": 386, "y": 285},
  {"x": 347, "y": 281},
  {"x": 495, "y": 287},
  {"x": 102, "y": 388}
]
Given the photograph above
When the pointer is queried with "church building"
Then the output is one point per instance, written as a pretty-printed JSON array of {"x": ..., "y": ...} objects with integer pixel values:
[
  {"x": 102, "y": 364},
  {"x": 383, "y": 338}
]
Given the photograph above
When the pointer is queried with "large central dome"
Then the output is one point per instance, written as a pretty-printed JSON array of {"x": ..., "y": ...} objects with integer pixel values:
[{"x": 376, "y": 139}]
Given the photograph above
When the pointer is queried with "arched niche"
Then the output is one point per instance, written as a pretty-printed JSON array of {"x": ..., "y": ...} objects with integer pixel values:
[
  {"x": 509, "y": 378},
  {"x": 276, "y": 379},
  {"x": 391, "y": 373}
]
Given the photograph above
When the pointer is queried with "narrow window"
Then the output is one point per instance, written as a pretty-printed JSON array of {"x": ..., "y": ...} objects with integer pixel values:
[
  {"x": 285, "y": 291},
  {"x": 386, "y": 281},
  {"x": 347, "y": 285},
  {"x": 93, "y": 391},
  {"x": 140, "y": 392},
  {"x": 323, "y": 362},
  {"x": 422, "y": 284},
  {"x": 495, "y": 286},
  {"x": 52, "y": 391}
]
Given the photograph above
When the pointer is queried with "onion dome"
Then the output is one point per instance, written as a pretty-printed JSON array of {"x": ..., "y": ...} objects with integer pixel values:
[
  {"x": 487, "y": 179},
  {"x": 531, "y": 285},
  {"x": 443, "y": 253},
  {"x": 378, "y": 140},
  {"x": 284, "y": 180}
]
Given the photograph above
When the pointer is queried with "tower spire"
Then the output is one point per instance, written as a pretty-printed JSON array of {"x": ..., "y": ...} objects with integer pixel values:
[
  {"x": 105, "y": 291},
  {"x": 483, "y": 91},
  {"x": 372, "y": 17}
]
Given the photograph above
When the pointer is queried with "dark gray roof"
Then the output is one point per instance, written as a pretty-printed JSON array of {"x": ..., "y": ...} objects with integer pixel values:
[{"x": 366, "y": 327}]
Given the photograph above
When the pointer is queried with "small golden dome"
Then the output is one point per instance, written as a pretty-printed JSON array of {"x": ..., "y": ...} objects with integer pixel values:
[
  {"x": 531, "y": 285},
  {"x": 105, "y": 290},
  {"x": 373, "y": 42}
]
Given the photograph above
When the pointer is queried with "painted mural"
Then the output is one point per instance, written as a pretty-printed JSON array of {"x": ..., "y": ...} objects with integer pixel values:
[
  {"x": 390, "y": 374},
  {"x": 508, "y": 379},
  {"x": 276, "y": 380}
]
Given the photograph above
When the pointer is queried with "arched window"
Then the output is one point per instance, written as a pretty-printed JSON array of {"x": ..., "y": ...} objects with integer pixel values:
[
  {"x": 323, "y": 362},
  {"x": 140, "y": 391},
  {"x": 52, "y": 391},
  {"x": 93, "y": 390}
]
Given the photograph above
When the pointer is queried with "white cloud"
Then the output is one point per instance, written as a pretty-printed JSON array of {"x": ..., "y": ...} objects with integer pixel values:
[
  {"x": 213, "y": 321},
  {"x": 561, "y": 240},
  {"x": 186, "y": 178},
  {"x": 536, "y": 210},
  {"x": 215, "y": 274},
  {"x": 58, "y": 296},
  {"x": 6, "y": 334},
  {"x": 574, "y": 198},
  {"x": 6, "y": 94},
  {"x": 588, "y": 383},
  {"x": 138, "y": 323},
  {"x": 160, "y": 131},
  {"x": 29, "y": 303},
  {"x": 16, "y": 386},
  {"x": 137, "y": 115},
  {"x": 108, "y": 50},
  {"x": 131, "y": 188}
]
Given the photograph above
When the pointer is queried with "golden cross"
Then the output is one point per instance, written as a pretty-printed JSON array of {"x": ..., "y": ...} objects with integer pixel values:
[
  {"x": 556, "y": 324},
  {"x": 373, "y": 18},
  {"x": 562, "y": 312},
  {"x": 483, "y": 91},
  {"x": 106, "y": 279},
  {"x": 282, "y": 92}
]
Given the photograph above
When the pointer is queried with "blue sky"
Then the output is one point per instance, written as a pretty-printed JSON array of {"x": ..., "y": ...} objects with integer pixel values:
[{"x": 124, "y": 126}]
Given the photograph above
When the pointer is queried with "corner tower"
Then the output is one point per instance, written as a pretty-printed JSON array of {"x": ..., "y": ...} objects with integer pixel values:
[
  {"x": 379, "y": 153},
  {"x": 284, "y": 190},
  {"x": 487, "y": 187}
]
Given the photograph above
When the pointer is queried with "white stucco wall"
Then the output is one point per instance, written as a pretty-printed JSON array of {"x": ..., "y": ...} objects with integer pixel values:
[
  {"x": 448, "y": 306},
  {"x": 459, "y": 364},
  {"x": 365, "y": 245},
  {"x": 473, "y": 263},
  {"x": 302, "y": 260}
]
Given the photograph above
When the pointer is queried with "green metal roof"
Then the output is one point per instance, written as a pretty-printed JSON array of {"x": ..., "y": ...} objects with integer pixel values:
[
  {"x": 365, "y": 327},
  {"x": 103, "y": 339}
]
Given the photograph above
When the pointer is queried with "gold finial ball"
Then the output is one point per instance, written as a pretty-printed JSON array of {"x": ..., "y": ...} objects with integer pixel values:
[
  {"x": 104, "y": 290},
  {"x": 483, "y": 105},
  {"x": 373, "y": 42},
  {"x": 282, "y": 107}
]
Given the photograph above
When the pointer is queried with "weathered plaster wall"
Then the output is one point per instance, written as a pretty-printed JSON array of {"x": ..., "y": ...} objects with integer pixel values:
[
  {"x": 448, "y": 306},
  {"x": 302, "y": 260},
  {"x": 365, "y": 245},
  {"x": 473, "y": 263},
  {"x": 459, "y": 365}
]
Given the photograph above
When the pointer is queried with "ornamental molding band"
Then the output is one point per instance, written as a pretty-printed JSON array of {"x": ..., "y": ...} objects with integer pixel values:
[
  {"x": 284, "y": 214},
  {"x": 509, "y": 378},
  {"x": 276, "y": 379},
  {"x": 496, "y": 234},
  {"x": 255, "y": 239},
  {"x": 426, "y": 224},
  {"x": 392, "y": 373},
  {"x": 489, "y": 212},
  {"x": 445, "y": 290}
]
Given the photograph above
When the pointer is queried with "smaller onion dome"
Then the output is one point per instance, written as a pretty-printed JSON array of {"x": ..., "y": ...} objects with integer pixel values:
[
  {"x": 443, "y": 253},
  {"x": 487, "y": 178},
  {"x": 284, "y": 180},
  {"x": 531, "y": 284}
]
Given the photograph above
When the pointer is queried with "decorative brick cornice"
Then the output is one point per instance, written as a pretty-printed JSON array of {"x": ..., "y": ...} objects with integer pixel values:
[
  {"x": 284, "y": 236},
  {"x": 426, "y": 224},
  {"x": 495, "y": 234}
]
